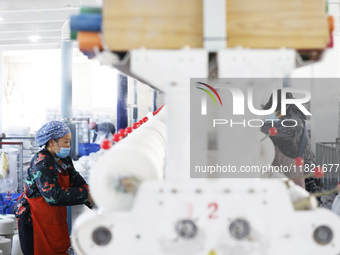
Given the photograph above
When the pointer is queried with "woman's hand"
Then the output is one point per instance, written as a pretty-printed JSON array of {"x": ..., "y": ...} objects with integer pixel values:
[{"x": 90, "y": 200}]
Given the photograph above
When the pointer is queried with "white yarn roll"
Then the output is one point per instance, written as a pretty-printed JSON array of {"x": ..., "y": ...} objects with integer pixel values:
[
  {"x": 1, "y": 252},
  {"x": 7, "y": 226},
  {"x": 16, "y": 249},
  {"x": 11, "y": 216},
  {"x": 5, "y": 246},
  {"x": 10, "y": 237},
  {"x": 141, "y": 155}
]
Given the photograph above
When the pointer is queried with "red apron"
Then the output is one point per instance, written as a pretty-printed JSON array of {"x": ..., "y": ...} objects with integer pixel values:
[{"x": 50, "y": 224}]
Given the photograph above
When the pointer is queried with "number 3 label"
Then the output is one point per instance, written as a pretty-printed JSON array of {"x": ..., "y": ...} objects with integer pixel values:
[{"x": 214, "y": 210}]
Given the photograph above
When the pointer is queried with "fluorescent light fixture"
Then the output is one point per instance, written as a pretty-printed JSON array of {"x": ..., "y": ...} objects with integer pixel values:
[
  {"x": 1, "y": 19},
  {"x": 34, "y": 38}
]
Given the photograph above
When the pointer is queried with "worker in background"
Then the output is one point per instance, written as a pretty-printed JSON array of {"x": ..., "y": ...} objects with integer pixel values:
[
  {"x": 102, "y": 131},
  {"x": 290, "y": 141},
  {"x": 51, "y": 184}
]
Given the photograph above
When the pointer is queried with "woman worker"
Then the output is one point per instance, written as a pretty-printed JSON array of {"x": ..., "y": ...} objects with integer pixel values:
[
  {"x": 102, "y": 130},
  {"x": 51, "y": 184},
  {"x": 291, "y": 142}
]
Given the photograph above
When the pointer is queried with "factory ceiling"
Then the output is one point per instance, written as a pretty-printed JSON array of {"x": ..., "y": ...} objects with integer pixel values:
[{"x": 36, "y": 24}]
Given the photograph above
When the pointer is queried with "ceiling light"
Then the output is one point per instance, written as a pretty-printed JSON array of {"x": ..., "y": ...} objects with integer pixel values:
[
  {"x": 34, "y": 38},
  {"x": 1, "y": 19}
]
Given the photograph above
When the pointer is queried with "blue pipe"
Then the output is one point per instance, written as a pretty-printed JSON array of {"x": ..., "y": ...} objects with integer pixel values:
[
  {"x": 122, "y": 114},
  {"x": 66, "y": 81},
  {"x": 135, "y": 107},
  {"x": 66, "y": 97},
  {"x": 154, "y": 100}
]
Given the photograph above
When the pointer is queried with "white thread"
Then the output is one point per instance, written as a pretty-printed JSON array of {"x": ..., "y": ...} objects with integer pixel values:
[
  {"x": 16, "y": 249},
  {"x": 5, "y": 246},
  {"x": 6, "y": 226},
  {"x": 11, "y": 216}
]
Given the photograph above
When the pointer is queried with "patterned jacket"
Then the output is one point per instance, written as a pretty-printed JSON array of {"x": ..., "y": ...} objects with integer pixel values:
[{"x": 42, "y": 180}]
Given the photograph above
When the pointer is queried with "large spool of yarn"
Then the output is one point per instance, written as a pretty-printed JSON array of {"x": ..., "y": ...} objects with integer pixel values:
[
  {"x": 140, "y": 156},
  {"x": 5, "y": 246},
  {"x": 1, "y": 252},
  {"x": 7, "y": 226},
  {"x": 10, "y": 237},
  {"x": 16, "y": 249},
  {"x": 10, "y": 216}
]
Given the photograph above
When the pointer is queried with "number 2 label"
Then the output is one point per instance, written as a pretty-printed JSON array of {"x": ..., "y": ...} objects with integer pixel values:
[{"x": 213, "y": 215}]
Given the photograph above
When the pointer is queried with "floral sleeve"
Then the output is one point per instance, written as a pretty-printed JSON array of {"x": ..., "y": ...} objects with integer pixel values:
[
  {"x": 45, "y": 175},
  {"x": 76, "y": 180}
]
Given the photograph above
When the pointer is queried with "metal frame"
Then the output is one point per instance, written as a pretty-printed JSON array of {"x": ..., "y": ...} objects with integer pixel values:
[
  {"x": 79, "y": 120},
  {"x": 22, "y": 157},
  {"x": 328, "y": 155},
  {"x": 173, "y": 78},
  {"x": 20, "y": 177}
]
